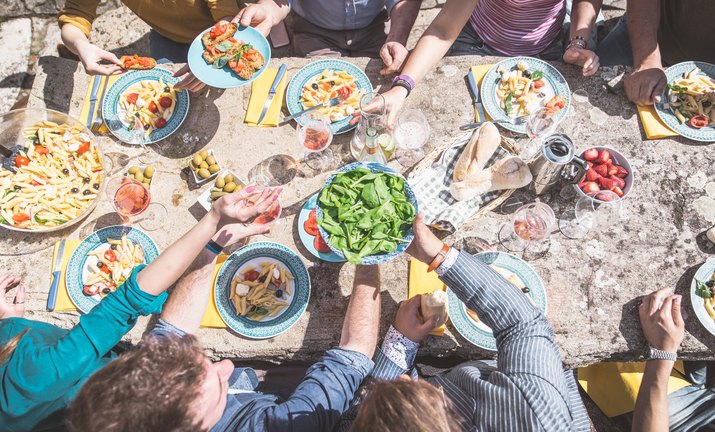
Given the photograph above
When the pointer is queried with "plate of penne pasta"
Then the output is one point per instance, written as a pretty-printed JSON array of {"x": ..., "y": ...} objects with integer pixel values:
[
  {"x": 702, "y": 295},
  {"x": 143, "y": 106},
  {"x": 104, "y": 261},
  {"x": 262, "y": 290}
]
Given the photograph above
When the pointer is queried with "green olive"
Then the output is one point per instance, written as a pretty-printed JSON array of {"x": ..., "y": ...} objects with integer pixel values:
[
  {"x": 211, "y": 160},
  {"x": 147, "y": 181},
  {"x": 220, "y": 182},
  {"x": 139, "y": 177},
  {"x": 230, "y": 187},
  {"x": 149, "y": 171},
  {"x": 197, "y": 160},
  {"x": 204, "y": 173},
  {"x": 213, "y": 169},
  {"x": 239, "y": 186},
  {"x": 204, "y": 154},
  {"x": 228, "y": 178},
  {"x": 217, "y": 195},
  {"x": 133, "y": 170}
]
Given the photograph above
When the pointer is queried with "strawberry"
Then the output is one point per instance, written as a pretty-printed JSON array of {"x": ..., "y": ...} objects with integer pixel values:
[
  {"x": 581, "y": 185},
  {"x": 604, "y": 197},
  {"x": 592, "y": 175},
  {"x": 590, "y": 154},
  {"x": 590, "y": 187},
  {"x": 590, "y": 164},
  {"x": 621, "y": 172},
  {"x": 606, "y": 183},
  {"x": 602, "y": 170},
  {"x": 618, "y": 181},
  {"x": 604, "y": 156},
  {"x": 618, "y": 192},
  {"x": 612, "y": 170}
]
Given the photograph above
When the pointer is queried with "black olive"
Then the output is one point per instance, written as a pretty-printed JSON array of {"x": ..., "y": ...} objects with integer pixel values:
[
  {"x": 332, "y": 83},
  {"x": 65, "y": 171},
  {"x": 710, "y": 284},
  {"x": 17, "y": 188},
  {"x": 147, "y": 126},
  {"x": 706, "y": 103},
  {"x": 279, "y": 293},
  {"x": 113, "y": 247},
  {"x": 527, "y": 74},
  {"x": 106, "y": 291},
  {"x": 74, "y": 190},
  {"x": 36, "y": 141},
  {"x": 86, "y": 180},
  {"x": 525, "y": 290},
  {"x": 86, "y": 192},
  {"x": 262, "y": 278},
  {"x": 315, "y": 86},
  {"x": 96, "y": 185},
  {"x": 167, "y": 89},
  {"x": 100, "y": 264}
]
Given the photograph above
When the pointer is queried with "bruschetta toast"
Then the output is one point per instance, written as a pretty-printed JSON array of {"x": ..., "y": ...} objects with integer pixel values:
[
  {"x": 136, "y": 62},
  {"x": 219, "y": 33}
]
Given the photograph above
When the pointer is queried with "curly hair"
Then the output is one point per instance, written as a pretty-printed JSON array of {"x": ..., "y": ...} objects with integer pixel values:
[
  {"x": 153, "y": 387},
  {"x": 415, "y": 406}
]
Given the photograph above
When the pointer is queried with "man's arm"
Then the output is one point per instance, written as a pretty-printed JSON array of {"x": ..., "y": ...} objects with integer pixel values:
[
  {"x": 362, "y": 319},
  {"x": 402, "y": 17},
  {"x": 583, "y": 18},
  {"x": 651, "y": 412},
  {"x": 645, "y": 85}
]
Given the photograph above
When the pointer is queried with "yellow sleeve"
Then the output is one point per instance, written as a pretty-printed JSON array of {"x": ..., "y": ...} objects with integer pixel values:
[
  {"x": 79, "y": 13},
  {"x": 223, "y": 8}
]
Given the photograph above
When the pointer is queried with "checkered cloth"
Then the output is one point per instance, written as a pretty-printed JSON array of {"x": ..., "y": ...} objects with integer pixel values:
[{"x": 431, "y": 187}]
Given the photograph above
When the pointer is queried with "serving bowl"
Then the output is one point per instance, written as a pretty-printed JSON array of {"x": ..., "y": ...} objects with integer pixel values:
[{"x": 619, "y": 159}]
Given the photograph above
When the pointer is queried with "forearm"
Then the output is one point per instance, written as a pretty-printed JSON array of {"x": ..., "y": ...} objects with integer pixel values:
[
  {"x": 643, "y": 21},
  {"x": 73, "y": 38},
  {"x": 583, "y": 17},
  {"x": 438, "y": 37},
  {"x": 362, "y": 319},
  {"x": 402, "y": 18},
  {"x": 173, "y": 262},
  {"x": 651, "y": 412},
  {"x": 185, "y": 307}
]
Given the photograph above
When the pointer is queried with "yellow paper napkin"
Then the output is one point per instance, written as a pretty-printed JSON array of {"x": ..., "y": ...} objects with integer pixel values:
[
  {"x": 211, "y": 317},
  {"x": 614, "y": 386},
  {"x": 63, "y": 302},
  {"x": 652, "y": 124},
  {"x": 423, "y": 282},
  {"x": 259, "y": 94},
  {"x": 479, "y": 72},
  {"x": 84, "y": 112}
]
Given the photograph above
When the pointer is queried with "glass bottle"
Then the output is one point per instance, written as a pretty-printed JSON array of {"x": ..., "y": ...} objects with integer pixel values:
[{"x": 372, "y": 152}]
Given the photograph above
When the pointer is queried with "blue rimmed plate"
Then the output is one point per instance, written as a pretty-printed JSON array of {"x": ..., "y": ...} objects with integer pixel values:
[
  {"x": 78, "y": 266},
  {"x": 225, "y": 77},
  {"x": 703, "y": 274},
  {"x": 253, "y": 254},
  {"x": 478, "y": 333},
  {"x": 115, "y": 120},
  {"x": 295, "y": 87},
  {"x": 555, "y": 85},
  {"x": 706, "y": 134},
  {"x": 309, "y": 240},
  {"x": 409, "y": 193}
]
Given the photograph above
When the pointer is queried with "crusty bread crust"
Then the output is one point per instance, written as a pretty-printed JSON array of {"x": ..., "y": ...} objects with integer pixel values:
[{"x": 152, "y": 64}]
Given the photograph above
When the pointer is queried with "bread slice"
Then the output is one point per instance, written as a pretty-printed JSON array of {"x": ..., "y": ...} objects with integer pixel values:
[
  {"x": 231, "y": 29},
  {"x": 477, "y": 152},
  {"x": 137, "y": 63}
]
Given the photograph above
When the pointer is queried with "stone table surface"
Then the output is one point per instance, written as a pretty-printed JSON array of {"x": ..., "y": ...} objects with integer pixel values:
[{"x": 593, "y": 285}]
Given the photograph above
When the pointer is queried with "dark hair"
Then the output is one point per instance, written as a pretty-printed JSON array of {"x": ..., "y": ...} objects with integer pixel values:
[
  {"x": 414, "y": 406},
  {"x": 153, "y": 387}
]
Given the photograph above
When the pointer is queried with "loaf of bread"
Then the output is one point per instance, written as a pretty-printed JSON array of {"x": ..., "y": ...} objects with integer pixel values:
[
  {"x": 477, "y": 152},
  {"x": 435, "y": 303}
]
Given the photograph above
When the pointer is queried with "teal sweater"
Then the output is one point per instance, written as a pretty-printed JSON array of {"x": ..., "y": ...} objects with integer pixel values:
[{"x": 50, "y": 364}]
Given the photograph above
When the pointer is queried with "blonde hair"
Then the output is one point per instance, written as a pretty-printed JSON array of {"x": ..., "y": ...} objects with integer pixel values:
[
  {"x": 9, "y": 347},
  {"x": 414, "y": 406}
]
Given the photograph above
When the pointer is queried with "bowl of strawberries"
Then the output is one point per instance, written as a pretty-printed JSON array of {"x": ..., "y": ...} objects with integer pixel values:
[{"x": 608, "y": 170}]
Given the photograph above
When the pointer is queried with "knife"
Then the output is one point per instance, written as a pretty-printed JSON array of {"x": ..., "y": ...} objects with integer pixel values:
[
  {"x": 478, "y": 109},
  {"x": 272, "y": 92},
  {"x": 332, "y": 102},
  {"x": 56, "y": 272},
  {"x": 92, "y": 100}
]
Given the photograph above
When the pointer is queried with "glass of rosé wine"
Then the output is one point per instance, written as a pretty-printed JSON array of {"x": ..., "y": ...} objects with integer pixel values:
[
  {"x": 272, "y": 216},
  {"x": 315, "y": 136},
  {"x": 531, "y": 225},
  {"x": 132, "y": 202}
]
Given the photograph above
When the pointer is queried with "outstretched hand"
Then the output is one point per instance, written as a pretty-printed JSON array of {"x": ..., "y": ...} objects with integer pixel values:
[
  {"x": 16, "y": 309},
  {"x": 237, "y": 213},
  {"x": 91, "y": 57},
  {"x": 662, "y": 321},
  {"x": 189, "y": 82}
]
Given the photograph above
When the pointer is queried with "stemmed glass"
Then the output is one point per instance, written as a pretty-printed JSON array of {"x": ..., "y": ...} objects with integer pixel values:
[
  {"x": 372, "y": 121},
  {"x": 315, "y": 136},
  {"x": 411, "y": 134},
  {"x": 539, "y": 125},
  {"x": 271, "y": 216},
  {"x": 134, "y": 136},
  {"x": 593, "y": 213},
  {"x": 131, "y": 199},
  {"x": 530, "y": 228}
]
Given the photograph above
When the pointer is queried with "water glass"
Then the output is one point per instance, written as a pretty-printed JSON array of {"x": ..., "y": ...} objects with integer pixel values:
[{"x": 411, "y": 134}]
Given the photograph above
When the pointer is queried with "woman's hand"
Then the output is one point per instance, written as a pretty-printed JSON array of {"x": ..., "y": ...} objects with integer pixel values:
[
  {"x": 91, "y": 55},
  {"x": 661, "y": 320},
  {"x": 409, "y": 320},
  {"x": 16, "y": 309},
  {"x": 425, "y": 246},
  {"x": 189, "y": 82},
  {"x": 236, "y": 216},
  {"x": 394, "y": 98},
  {"x": 584, "y": 58}
]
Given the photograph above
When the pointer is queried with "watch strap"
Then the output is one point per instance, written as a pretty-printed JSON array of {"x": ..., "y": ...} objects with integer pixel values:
[
  {"x": 656, "y": 354},
  {"x": 439, "y": 259},
  {"x": 214, "y": 247}
]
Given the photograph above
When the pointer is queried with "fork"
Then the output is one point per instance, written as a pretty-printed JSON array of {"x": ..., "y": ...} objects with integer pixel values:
[
  {"x": 515, "y": 121},
  {"x": 99, "y": 119}
]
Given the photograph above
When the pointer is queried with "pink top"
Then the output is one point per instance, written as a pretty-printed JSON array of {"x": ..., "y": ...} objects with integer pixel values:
[{"x": 518, "y": 27}]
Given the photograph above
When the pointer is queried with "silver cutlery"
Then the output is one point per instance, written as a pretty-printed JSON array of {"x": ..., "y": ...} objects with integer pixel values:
[
  {"x": 272, "y": 92},
  {"x": 93, "y": 99},
  {"x": 56, "y": 273},
  {"x": 331, "y": 103},
  {"x": 99, "y": 119}
]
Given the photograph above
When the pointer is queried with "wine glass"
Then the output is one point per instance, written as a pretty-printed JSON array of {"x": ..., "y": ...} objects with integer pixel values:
[
  {"x": 372, "y": 122},
  {"x": 131, "y": 199},
  {"x": 530, "y": 226},
  {"x": 411, "y": 134},
  {"x": 271, "y": 216},
  {"x": 539, "y": 125},
  {"x": 315, "y": 136},
  {"x": 593, "y": 213}
]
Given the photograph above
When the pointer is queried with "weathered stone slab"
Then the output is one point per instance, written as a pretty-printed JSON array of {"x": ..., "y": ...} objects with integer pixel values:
[{"x": 15, "y": 38}]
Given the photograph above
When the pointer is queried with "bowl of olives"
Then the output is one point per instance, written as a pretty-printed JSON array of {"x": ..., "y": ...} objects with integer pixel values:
[
  {"x": 142, "y": 174},
  {"x": 204, "y": 166}
]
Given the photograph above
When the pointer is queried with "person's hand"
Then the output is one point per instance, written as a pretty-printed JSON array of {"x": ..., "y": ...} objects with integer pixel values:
[
  {"x": 661, "y": 320},
  {"x": 261, "y": 16},
  {"x": 425, "y": 246},
  {"x": 189, "y": 82},
  {"x": 394, "y": 98},
  {"x": 393, "y": 55},
  {"x": 15, "y": 309},
  {"x": 584, "y": 58},
  {"x": 90, "y": 55},
  {"x": 236, "y": 215},
  {"x": 409, "y": 320},
  {"x": 645, "y": 85}
]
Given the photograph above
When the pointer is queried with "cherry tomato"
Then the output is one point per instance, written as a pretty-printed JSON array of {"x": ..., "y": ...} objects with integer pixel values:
[
  {"x": 232, "y": 40},
  {"x": 160, "y": 122},
  {"x": 311, "y": 224},
  {"x": 106, "y": 269},
  {"x": 251, "y": 275},
  {"x": 144, "y": 61},
  {"x": 83, "y": 147},
  {"x": 110, "y": 255},
  {"x": 699, "y": 121},
  {"x": 344, "y": 92},
  {"x": 153, "y": 108},
  {"x": 20, "y": 217},
  {"x": 132, "y": 98},
  {"x": 41, "y": 149},
  {"x": 251, "y": 55},
  {"x": 320, "y": 244},
  {"x": 538, "y": 84},
  {"x": 21, "y": 161},
  {"x": 165, "y": 101},
  {"x": 35, "y": 183},
  {"x": 91, "y": 290},
  {"x": 236, "y": 66}
]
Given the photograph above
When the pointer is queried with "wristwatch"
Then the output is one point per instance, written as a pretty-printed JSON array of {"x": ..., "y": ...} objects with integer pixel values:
[
  {"x": 404, "y": 81},
  {"x": 656, "y": 354}
]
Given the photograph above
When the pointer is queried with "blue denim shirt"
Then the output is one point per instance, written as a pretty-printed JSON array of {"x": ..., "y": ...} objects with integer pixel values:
[
  {"x": 341, "y": 15},
  {"x": 315, "y": 405}
]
